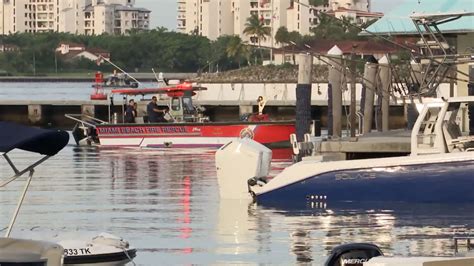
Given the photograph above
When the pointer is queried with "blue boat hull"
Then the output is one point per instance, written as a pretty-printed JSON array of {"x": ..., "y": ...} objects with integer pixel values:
[{"x": 427, "y": 183}]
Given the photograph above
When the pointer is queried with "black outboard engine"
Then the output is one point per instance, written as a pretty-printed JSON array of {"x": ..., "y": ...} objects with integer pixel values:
[
  {"x": 354, "y": 254},
  {"x": 85, "y": 135}
]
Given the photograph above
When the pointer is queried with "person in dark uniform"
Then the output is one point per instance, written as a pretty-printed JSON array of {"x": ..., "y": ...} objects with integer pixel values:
[
  {"x": 155, "y": 114},
  {"x": 130, "y": 112}
]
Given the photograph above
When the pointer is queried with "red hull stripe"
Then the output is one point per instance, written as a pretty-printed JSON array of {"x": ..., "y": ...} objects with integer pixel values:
[{"x": 261, "y": 133}]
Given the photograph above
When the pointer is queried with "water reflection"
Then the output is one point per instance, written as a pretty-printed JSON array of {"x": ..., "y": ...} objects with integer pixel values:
[{"x": 166, "y": 204}]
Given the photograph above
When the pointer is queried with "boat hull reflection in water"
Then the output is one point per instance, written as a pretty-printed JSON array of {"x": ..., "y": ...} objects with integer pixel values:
[{"x": 166, "y": 204}]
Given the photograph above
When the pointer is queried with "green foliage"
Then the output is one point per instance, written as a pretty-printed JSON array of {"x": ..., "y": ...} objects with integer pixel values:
[
  {"x": 160, "y": 49},
  {"x": 334, "y": 29},
  {"x": 256, "y": 28},
  {"x": 238, "y": 50},
  {"x": 282, "y": 35}
]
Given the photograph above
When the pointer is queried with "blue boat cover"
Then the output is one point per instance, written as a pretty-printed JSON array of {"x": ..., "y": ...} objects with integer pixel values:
[{"x": 43, "y": 141}]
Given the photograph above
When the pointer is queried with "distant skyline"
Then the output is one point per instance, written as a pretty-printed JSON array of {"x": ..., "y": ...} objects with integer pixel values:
[{"x": 164, "y": 12}]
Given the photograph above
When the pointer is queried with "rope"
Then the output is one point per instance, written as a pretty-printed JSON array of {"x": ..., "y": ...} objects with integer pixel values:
[{"x": 128, "y": 256}]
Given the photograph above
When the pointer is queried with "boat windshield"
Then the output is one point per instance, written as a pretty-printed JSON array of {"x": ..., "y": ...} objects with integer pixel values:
[
  {"x": 188, "y": 105},
  {"x": 175, "y": 106}
]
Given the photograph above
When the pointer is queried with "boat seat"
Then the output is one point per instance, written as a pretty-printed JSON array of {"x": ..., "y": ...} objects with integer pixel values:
[{"x": 455, "y": 141}]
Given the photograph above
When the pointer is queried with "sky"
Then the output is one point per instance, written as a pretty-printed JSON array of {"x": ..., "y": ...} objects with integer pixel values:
[{"x": 164, "y": 12}]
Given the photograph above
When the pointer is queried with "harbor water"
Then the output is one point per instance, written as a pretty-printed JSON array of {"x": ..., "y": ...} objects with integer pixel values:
[{"x": 166, "y": 204}]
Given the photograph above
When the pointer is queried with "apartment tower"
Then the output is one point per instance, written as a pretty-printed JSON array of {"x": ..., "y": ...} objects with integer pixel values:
[
  {"x": 213, "y": 18},
  {"x": 74, "y": 16}
]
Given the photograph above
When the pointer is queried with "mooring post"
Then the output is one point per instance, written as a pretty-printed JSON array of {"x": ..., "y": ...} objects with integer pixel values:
[
  {"x": 88, "y": 110},
  {"x": 386, "y": 79},
  {"x": 353, "y": 72},
  {"x": 303, "y": 96},
  {"x": 245, "y": 109},
  {"x": 335, "y": 78},
  {"x": 370, "y": 74},
  {"x": 35, "y": 113}
]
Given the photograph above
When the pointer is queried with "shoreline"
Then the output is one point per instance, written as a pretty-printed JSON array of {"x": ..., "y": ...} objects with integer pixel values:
[{"x": 90, "y": 77}]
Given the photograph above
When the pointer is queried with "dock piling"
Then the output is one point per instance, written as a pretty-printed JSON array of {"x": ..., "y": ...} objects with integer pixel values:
[
  {"x": 386, "y": 80},
  {"x": 88, "y": 109},
  {"x": 35, "y": 114},
  {"x": 303, "y": 96},
  {"x": 370, "y": 74},
  {"x": 335, "y": 79}
]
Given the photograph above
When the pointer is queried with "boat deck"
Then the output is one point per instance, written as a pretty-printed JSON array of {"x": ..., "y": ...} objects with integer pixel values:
[{"x": 375, "y": 144}]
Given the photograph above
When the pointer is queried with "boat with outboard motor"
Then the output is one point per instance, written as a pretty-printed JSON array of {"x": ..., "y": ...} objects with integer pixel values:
[
  {"x": 187, "y": 126},
  {"x": 105, "y": 249},
  {"x": 368, "y": 254},
  {"x": 439, "y": 168}
]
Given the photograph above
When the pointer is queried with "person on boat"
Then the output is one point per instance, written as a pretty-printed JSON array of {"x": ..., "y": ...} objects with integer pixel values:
[
  {"x": 261, "y": 104},
  {"x": 155, "y": 114},
  {"x": 260, "y": 116},
  {"x": 130, "y": 112}
]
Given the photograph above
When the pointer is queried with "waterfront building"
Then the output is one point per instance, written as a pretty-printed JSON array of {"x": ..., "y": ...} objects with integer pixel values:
[
  {"x": 29, "y": 16},
  {"x": 214, "y": 18},
  {"x": 73, "y": 51},
  {"x": 73, "y": 16},
  {"x": 211, "y": 18}
]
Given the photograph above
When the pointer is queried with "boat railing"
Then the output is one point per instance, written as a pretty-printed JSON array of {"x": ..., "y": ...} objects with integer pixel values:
[
  {"x": 469, "y": 240},
  {"x": 85, "y": 119},
  {"x": 461, "y": 234}
]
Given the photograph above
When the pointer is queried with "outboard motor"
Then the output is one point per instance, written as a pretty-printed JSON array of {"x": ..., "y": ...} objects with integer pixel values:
[
  {"x": 84, "y": 135},
  {"x": 354, "y": 254},
  {"x": 240, "y": 164}
]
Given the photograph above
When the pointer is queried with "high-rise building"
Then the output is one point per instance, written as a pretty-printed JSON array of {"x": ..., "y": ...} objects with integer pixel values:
[
  {"x": 214, "y": 18},
  {"x": 210, "y": 18},
  {"x": 272, "y": 13},
  {"x": 29, "y": 16},
  {"x": 74, "y": 16}
]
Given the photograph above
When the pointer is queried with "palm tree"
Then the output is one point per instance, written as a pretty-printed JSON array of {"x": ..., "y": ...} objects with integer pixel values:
[
  {"x": 238, "y": 49},
  {"x": 255, "y": 28}
]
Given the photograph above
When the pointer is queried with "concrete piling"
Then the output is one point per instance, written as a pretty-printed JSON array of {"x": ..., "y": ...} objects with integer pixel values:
[
  {"x": 35, "y": 114},
  {"x": 245, "y": 109},
  {"x": 88, "y": 109},
  {"x": 335, "y": 79},
  {"x": 303, "y": 96},
  {"x": 370, "y": 75},
  {"x": 386, "y": 80}
]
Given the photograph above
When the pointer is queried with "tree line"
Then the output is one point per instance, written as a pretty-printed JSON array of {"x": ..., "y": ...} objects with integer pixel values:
[{"x": 160, "y": 49}]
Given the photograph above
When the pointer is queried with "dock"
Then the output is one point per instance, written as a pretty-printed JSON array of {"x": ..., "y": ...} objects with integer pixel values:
[{"x": 370, "y": 145}]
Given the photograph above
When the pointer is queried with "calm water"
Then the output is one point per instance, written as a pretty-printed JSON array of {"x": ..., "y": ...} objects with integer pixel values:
[
  {"x": 166, "y": 204},
  {"x": 56, "y": 91}
]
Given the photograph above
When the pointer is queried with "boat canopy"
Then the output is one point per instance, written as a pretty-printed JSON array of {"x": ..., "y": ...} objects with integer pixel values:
[{"x": 42, "y": 141}]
